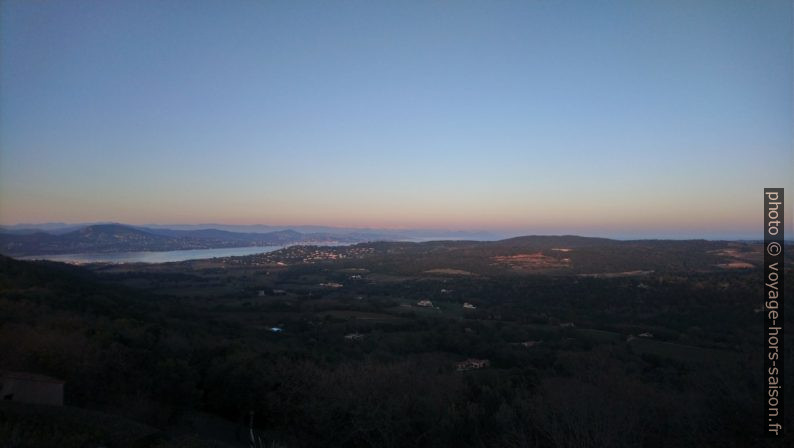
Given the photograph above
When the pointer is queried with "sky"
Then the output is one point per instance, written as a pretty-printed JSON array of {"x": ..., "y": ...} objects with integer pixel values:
[{"x": 611, "y": 118}]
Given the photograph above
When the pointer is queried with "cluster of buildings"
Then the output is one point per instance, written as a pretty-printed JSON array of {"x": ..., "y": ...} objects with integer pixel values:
[
  {"x": 646, "y": 335},
  {"x": 313, "y": 254},
  {"x": 428, "y": 304},
  {"x": 300, "y": 254},
  {"x": 472, "y": 364}
]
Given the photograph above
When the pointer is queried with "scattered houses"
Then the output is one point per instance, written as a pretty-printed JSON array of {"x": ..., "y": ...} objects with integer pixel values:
[
  {"x": 567, "y": 325},
  {"x": 331, "y": 285},
  {"x": 472, "y": 364},
  {"x": 642, "y": 335},
  {"x": 354, "y": 336},
  {"x": 307, "y": 254},
  {"x": 469, "y": 306},
  {"x": 425, "y": 303}
]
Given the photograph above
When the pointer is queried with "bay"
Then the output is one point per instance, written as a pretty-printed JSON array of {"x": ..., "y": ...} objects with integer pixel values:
[{"x": 154, "y": 257}]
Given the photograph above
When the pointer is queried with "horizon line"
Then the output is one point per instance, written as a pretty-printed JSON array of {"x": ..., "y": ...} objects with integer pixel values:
[{"x": 500, "y": 234}]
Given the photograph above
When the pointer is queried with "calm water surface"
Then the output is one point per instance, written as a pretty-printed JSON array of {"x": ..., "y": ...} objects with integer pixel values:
[{"x": 155, "y": 257}]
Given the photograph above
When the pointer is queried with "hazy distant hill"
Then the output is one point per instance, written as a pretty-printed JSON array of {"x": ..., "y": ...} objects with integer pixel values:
[
  {"x": 122, "y": 238},
  {"x": 356, "y": 233},
  {"x": 223, "y": 235}
]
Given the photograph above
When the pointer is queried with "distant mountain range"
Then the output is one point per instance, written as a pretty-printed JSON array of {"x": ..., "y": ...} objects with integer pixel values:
[
  {"x": 360, "y": 233},
  {"x": 98, "y": 238}
]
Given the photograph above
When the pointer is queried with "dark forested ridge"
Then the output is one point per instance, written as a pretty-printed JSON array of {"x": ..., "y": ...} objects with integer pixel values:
[{"x": 565, "y": 342}]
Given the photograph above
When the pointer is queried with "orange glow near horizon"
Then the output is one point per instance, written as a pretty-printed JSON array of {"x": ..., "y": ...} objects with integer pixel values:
[{"x": 593, "y": 219}]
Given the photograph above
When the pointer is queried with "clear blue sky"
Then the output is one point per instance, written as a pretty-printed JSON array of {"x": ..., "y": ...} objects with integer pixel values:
[{"x": 619, "y": 118}]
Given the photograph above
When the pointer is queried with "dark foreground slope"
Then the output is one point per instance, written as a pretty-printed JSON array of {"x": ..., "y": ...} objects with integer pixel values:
[
  {"x": 190, "y": 348},
  {"x": 59, "y": 320}
]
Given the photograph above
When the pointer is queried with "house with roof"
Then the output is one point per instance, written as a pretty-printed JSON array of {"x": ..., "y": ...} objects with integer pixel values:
[{"x": 472, "y": 364}]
